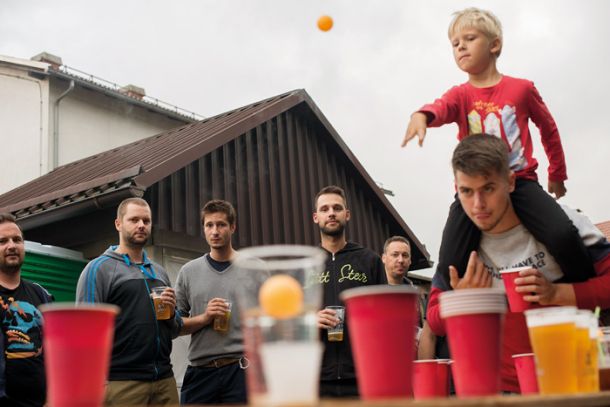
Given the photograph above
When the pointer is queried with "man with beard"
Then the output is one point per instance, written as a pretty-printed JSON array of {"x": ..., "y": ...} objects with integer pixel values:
[
  {"x": 396, "y": 259},
  {"x": 140, "y": 368},
  {"x": 349, "y": 265},
  {"x": 215, "y": 374},
  {"x": 21, "y": 322}
]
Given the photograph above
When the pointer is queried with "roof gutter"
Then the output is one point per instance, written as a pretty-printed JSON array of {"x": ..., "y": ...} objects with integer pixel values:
[
  {"x": 56, "y": 124},
  {"x": 80, "y": 208}
]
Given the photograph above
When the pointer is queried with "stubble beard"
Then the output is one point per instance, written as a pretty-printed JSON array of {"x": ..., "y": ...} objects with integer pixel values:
[
  {"x": 12, "y": 267},
  {"x": 338, "y": 231},
  {"x": 136, "y": 243}
]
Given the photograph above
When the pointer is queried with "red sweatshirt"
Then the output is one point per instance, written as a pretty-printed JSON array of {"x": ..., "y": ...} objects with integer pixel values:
[{"x": 504, "y": 110}]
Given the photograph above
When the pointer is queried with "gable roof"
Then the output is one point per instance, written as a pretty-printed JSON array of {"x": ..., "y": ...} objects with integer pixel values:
[{"x": 308, "y": 144}]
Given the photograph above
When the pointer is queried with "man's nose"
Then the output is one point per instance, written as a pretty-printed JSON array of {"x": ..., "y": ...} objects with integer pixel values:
[{"x": 479, "y": 200}]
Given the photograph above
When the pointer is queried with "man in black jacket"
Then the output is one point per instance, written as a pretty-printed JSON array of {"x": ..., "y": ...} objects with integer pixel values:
[{"x": 349, "y": 265}]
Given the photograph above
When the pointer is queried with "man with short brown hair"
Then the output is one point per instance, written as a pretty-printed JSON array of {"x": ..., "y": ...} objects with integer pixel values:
[
  {"x": 349, "y": 265},
  {"x": 140, "y": 367},
  {"x": 215, "y": 374}
]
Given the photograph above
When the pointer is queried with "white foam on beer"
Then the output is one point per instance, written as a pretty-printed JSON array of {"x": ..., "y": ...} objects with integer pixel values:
[{"x": 550, "y": 316}]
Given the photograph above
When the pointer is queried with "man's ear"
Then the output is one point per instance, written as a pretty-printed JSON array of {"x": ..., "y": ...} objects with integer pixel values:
[
  {"x": 348, "y": 214},
  {"x": 315, "y": 218},
  {"x": 511, "y": 181},
  {"x": 117, "y": 224},
  {"x": 383, "y": 258},
  {"x": 233, "y": 227}
]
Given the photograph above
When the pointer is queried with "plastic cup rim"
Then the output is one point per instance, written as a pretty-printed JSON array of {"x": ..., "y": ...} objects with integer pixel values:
[
  {"x": 522, "y": 355},
  {"x": 425, "y": 361},
  {"x": 377, "y": 290},
  {"x": 465, "y": 291},
  {"x": 70, "y": 306},
  {"x": 515, "y": 269},
  {"x": 301, "y": 257}
]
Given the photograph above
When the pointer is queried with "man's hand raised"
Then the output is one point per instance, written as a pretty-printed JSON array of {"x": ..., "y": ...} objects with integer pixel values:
[{"x": 476, "y": 275}]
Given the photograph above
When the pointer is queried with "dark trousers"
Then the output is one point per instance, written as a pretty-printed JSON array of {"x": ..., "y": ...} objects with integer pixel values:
[
  {"x": 542, "y": 217},
  {"x": 211, "y": 385},
  {"x": 339, "y": 388}
]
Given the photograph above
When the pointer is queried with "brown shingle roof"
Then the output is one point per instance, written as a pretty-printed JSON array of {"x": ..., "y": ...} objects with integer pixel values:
[
  {"x": 605, "y": 228},
  {"x": 143, "y": 162}
]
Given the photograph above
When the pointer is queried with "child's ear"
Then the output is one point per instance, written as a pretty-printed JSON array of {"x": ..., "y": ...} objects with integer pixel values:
[{"x": 495, "y": 46}]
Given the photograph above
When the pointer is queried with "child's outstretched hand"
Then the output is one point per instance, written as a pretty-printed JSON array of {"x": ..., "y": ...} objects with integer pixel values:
[
  {"x": 417, "y": 127},
  {"x": 557, "y": 188}
]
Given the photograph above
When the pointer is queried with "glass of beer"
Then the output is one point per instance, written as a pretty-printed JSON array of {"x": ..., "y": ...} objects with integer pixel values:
[
  {"x": 162, "y": 310},
  {"x": 336, "y": 334},
  {"x": 554, "y": 340},
  {"x": 221, "y": 324},
  {"x": 604, "y": 358}
]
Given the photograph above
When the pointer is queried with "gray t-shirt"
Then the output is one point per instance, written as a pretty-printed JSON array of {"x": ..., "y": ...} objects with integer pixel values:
[
  {"x": 518, "y": 248},
  {"x": 198, "y": 282}
]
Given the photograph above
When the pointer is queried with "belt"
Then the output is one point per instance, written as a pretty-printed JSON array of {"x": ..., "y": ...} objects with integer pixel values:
[{"x": 221, "y": 362}]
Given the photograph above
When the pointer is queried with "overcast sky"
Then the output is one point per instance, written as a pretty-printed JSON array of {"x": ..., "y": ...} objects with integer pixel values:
[{"x": 380, "y": 62}]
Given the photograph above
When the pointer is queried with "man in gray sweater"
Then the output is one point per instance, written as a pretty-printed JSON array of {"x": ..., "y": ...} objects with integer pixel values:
[{"x": 205, "y": 291}]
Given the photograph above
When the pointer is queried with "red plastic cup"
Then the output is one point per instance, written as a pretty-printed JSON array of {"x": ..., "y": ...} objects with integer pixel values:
[
  {"x": 77, "y": 344},
  {"x": 516, "y": 302},
  {"x": 525, "y": 365},
  {"x": 378, "y": 316},
  {"x": 474, "y": 332},
  {"x": 429, "y": 379},
  {"x": 444, "y": 377}
]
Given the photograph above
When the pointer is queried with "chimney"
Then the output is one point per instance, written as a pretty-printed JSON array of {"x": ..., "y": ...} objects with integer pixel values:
[
  {"x": 133, "y": 91},
  {"x": 54, "y": 60}
]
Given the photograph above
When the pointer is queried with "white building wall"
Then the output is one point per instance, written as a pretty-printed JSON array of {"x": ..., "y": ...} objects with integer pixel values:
[
  {"x": 91, "y": 122},
  {"x": 23, "y": 127}
]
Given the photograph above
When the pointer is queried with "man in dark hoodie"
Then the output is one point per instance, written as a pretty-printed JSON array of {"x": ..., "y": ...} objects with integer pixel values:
[
  {"x": 349, "y": 265},
  {"x": 140, "y": 368}
]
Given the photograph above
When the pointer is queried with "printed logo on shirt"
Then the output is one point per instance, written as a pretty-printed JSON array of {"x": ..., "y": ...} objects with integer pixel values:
[
  {"x": 22, "y": 325},
  {"x": 536, "y": 261},
  {"x": 346, "y": 273},
  {"x": 487, "y": 117}
]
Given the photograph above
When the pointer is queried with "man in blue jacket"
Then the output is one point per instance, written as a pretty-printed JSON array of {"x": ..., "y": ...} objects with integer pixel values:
[{"x": 140, "y": 368}]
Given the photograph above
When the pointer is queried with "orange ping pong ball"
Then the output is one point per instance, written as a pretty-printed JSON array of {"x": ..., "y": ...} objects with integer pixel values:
[
  {"x": 325, "y": 23},
  {"x": 281, "y": 296}
]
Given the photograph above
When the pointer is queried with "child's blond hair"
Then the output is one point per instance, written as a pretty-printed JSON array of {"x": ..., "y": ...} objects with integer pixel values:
[{"x": 481, "y": 20}]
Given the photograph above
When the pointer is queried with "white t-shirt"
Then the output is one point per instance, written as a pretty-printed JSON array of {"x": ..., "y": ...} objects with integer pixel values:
[{"x": 518, "y": 248}]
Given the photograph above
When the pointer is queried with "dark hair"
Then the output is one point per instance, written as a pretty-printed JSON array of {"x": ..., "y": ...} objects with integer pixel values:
[
  {"x": 481, "y": 154},
  {"x": 218, "y": 205},
  {"x": 120, "y": 212},
  {"x": 330, "y": 189},
  {"x": 395, "y": 239},
  {"x": 6, "y": 217}
]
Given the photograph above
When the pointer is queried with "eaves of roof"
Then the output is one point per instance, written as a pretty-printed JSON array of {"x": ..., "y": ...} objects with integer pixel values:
[{"x": 107, "y": 90}]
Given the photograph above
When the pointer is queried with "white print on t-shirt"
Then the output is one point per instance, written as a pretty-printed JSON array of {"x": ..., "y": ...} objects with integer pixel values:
[{"x": 495, "y": 121}]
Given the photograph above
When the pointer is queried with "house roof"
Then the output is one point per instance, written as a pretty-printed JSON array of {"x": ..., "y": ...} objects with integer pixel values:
[
  {"x": 141, "y": 163},
  {"x": 43, "y": 69},
  {"x": 605, "y": 228},
  {"x": 102, "y": 179}
]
